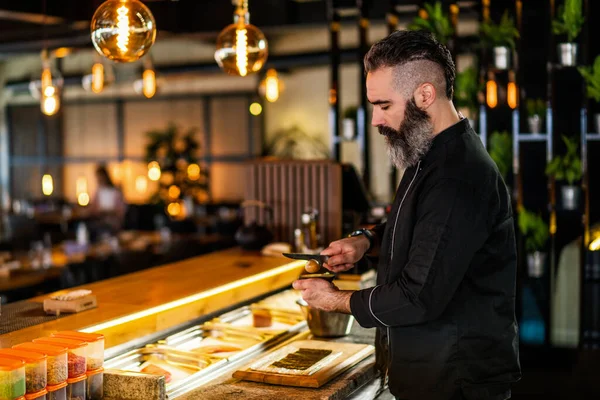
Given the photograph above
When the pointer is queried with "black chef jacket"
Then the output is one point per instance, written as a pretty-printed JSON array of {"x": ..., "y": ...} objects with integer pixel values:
[{"x": 444, "y": 303}]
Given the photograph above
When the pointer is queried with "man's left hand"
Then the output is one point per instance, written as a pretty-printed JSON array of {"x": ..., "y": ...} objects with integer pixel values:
[{"x": 319, "y": 293}]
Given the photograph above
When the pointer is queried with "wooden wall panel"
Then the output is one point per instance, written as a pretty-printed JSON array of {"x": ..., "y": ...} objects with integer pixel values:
[{"x": 291, "y": 187}]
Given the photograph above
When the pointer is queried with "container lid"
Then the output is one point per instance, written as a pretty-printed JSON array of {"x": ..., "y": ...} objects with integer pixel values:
[
  {"x": 48, "y": 349},
  {"x": 56, "y": 387},
  {"x": 36, "y": 395},
  {"x": 9, "y": 364},
  {"x": 88, "y": 337},
  {"x": 68, "y": 343},
  {"x": 95, "y": 371},
  {"x": 27, "y": 356},
  {"x": 75, "y": 380}
]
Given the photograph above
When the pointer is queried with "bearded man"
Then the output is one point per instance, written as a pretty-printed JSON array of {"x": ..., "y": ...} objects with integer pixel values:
[{"x": 444, "y": 304}]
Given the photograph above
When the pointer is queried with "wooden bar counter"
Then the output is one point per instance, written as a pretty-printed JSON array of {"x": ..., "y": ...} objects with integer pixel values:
[{"x": 139, "y": 304}]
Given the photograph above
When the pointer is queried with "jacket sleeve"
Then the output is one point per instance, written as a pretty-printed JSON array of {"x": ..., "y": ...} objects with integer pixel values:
[{"x": 451, "y": 225}]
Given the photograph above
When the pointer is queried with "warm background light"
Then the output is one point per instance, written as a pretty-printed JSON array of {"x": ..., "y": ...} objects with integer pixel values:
[
  {"x": 141, "y": 184},
  {"x": 193, "y": 171},
  {"x": 97, "y": 78},
  {"x": 50, "y": 101},
  {"x": 174, "y": 192},
  {"x": 83, "y": 199},
  {"x": 154, "y": 171},
  {"x": 149, "y": 83},
  {"x": 81, "y": 185},
  {"x": 271, "y": 87},
  {"x": 123, "y": 30},
  {"x": 81, "y": 189},
  {"x": 47, "y": 185},
  {"x": 255, "y": 109},
  {"x": 174, "y": 209},
  {"x": 491, "y": 93},
  {"x": 512, "y": 95}
]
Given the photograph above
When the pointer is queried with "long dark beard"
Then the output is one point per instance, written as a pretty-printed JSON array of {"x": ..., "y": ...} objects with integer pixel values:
[{"x": 407, "y": 145}]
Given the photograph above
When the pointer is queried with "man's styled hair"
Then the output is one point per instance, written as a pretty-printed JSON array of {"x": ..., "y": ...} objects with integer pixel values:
[{"x": 416, "y": 58}]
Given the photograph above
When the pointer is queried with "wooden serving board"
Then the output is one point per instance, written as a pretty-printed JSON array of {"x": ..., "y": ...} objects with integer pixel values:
[{"x": 351, "y": 355}]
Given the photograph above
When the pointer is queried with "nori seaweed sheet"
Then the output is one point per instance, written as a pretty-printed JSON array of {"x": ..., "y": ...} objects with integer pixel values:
[{"x": 302, "y": 359}]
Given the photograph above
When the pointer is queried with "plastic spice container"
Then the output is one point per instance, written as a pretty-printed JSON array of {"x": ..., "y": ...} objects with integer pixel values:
[
  {"x": 41, "y": 395},
  {"x": 76, "y": 388},
  {"x": 56, "y": 361},
  {"x": 95, "y": 384},
  {"x": 76, "y": 354},
  {"x": 35, "y": 368},
  {"x": 95, "y": 350},
  {"x": 57, "y": 392},
  {"x": 12, "y": 379}
]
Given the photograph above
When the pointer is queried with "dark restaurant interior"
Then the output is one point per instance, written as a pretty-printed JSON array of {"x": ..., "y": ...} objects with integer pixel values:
[{"x": 163, "y": 177}]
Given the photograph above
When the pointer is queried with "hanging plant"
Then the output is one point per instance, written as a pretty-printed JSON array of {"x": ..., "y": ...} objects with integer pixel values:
[
  {"x": 432, "y": 18},
  {"x": 568, "y": 166},
  {"x": 500, "y": 35},
  {"x": 570, "y": 21}
]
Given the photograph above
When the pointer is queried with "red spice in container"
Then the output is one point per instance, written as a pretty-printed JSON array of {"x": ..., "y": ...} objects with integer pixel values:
[{"x": 76, "y": 357}]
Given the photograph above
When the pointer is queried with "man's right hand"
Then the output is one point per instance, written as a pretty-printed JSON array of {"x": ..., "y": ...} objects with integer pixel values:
[{"x": 344, "y": 253}]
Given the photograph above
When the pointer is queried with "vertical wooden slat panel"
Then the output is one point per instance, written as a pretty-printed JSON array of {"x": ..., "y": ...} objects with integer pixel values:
[{"x": 291, "y": 187}]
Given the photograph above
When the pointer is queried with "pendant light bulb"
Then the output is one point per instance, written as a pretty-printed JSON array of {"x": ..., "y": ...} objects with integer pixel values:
[
  {"x": 491, "y": 88},
  {"x": 149, "y": 83},
  {"x": 47, "y": 185},
  {"x": 241, "y": 47},
  {"x": 97, "y": 77},
  {"x": 123, "y": 30},
  {"x": 512, "y": 91},
  {"x": 50, "y": 102},
  {"x": 271, "y": 87}
]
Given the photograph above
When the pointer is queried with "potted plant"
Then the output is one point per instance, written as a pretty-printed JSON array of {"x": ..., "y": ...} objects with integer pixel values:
[
  {"x": 501, "y": 38},
  {"x": 567, "y": 168},
  {"x": 432, "y": 18},
  {"x": 172, "y": 156},
  {"x": 466, "y": 87},
  {"x": 569, "y": 22},
  {"x": 535, "y": 232},
  {"x": 592, "y": 80},
  {"x": 536, "y": 109},
  {"x": 349, "y": 123},
  {"x": 500, "y": 149}
]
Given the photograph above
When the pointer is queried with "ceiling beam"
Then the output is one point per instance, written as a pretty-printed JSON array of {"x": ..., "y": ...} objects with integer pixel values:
[{"x": 30, "y": 18}]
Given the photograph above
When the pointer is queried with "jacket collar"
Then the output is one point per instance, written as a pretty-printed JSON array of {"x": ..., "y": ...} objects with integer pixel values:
[{"x": 445, "y": 136}]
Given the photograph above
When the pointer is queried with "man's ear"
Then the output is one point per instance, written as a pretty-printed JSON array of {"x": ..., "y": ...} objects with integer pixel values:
[{"x": 424, "y": 95}]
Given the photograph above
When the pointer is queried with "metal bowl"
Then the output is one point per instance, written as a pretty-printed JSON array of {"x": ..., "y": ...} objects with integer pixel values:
[{"x": 326, "y": 324}]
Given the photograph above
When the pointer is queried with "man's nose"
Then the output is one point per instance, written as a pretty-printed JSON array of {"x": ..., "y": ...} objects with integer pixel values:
[{"x": 377, "y": 119}]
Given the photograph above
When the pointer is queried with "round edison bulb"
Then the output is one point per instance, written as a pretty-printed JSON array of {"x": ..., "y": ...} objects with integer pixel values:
[
  {"x": 123, "y": 30},
  {"x": 241, "y": 49}
]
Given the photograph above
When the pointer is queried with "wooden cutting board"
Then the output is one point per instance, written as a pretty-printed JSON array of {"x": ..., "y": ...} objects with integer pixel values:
[{"x": 351, "y": 355}]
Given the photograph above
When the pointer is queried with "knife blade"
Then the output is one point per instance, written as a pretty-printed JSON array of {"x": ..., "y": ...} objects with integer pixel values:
[{"x": 300, "y": 256}]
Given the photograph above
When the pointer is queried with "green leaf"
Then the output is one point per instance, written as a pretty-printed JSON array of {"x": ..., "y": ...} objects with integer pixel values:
[
  {"x": 502, "y": 34},
  {"x": 534, "y": 230},
  {"x": 500, "y": 149},
  {"x": 591, "y": 75},
  {"x": 437, "y": 22},
  {"x": 570, "y": 20}
]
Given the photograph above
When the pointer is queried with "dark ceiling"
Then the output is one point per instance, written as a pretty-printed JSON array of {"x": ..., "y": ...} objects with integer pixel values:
[{"x": 28, "y": 25}]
